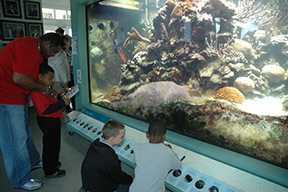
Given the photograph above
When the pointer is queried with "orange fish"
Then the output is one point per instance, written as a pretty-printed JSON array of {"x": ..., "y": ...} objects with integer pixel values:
[{"x": 122, "y": 55}]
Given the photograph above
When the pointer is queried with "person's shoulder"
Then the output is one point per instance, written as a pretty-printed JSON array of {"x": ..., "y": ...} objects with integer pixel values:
[
  {"x": 27, "y": 41},
  {"x": 161, "y": 147},
  {"x": 60, "y": 54},
  {"x": 139, "y": 145},
  {"x": 63, "y": 53},
  {"x": 150, "y": 146},
  {"x": 28, "y": 38}
]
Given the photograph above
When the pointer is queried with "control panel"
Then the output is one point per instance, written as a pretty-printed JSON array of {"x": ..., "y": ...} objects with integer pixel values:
[{"x": 197, "y": 174}]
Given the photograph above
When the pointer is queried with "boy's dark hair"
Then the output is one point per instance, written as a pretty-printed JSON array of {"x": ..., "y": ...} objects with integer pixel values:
[
  {"x": 44, "y": 69},
  {"x": 54, "y": 38},
  {"x": 157, "y": 128},
  {"x": 111, "y": 129}
]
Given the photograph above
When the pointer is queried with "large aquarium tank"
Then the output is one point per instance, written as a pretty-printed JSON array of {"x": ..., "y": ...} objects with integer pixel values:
[{"x": 213, "y": 70}]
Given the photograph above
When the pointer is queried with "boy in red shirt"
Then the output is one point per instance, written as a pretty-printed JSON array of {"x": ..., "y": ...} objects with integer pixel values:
[{"x": 48, "y": 119}]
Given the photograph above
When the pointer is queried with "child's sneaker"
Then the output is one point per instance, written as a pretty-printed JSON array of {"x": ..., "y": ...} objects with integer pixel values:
[
  {"x": 38, "y": 166},
  {"x": 32, "y": 185},
  {"x": 59, "y": 173},
  {"x": 59, "y": 164}
]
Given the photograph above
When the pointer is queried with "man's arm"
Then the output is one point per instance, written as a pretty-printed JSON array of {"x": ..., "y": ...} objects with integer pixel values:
[{"x": 27, "y": 82}]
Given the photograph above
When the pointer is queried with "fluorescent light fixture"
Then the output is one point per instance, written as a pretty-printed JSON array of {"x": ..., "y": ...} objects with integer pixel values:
[{"x": 126, "y": 4}]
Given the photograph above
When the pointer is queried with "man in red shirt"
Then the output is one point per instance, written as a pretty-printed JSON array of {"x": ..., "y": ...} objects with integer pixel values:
[{"x": 19, "y": 64}]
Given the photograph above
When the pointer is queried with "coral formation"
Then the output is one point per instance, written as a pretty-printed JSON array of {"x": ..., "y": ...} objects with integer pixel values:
[
  {"x": 196, "y": 50},
  {"x": 156, "y": 94},
  {"x": 223, "y": 51},
  {"x": 245, "y": 48},
  {"x": 220, "y": 124},
  {"x": 177, "y": 12},
  {"x": 170, "y": 3},
  {"x": 278, "y": 15},
  {"x": 285, "y": 104},
  {"x": 134, "y": 36},
  {"x": 141, "y": 46},
  {"x": 96, "y": 52},
  {"x": 274, "y": 73},
  {"x": 248, "y": 10},
  {"x": 115, "y": 95},
  {"x": 244, "y": 84},
  {"x": 231, "y": 94}
]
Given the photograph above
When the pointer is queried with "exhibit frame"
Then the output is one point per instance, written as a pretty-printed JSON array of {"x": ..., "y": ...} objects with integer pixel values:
[
  {"x": 6, "y": 6},
  {"x": 34, "y": 12},
  {"x": 9, "y": 33},
  {"x": 32, "y": 26}
]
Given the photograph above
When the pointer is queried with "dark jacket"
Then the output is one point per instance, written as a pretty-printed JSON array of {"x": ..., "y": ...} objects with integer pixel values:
[{"x": 101, "y": 169}]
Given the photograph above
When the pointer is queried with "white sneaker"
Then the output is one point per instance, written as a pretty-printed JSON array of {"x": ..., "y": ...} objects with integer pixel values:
[{"x": 32, "y": 185}]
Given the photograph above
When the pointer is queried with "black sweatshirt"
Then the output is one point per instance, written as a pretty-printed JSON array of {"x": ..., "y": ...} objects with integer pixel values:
[{"x": 101, "y": 169}]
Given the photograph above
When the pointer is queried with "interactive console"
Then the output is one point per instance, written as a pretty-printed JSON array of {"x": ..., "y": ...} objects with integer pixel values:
[{"x": 198, "y": 173}]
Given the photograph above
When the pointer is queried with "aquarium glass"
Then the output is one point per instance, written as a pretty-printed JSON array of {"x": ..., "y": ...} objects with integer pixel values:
[{"x": 212, "y": 70}]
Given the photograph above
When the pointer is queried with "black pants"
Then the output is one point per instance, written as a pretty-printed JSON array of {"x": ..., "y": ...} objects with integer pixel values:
[{"x": 51, "y": 128}]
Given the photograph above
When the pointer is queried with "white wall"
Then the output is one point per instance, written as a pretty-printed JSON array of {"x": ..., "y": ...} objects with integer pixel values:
[{"x": 52, "y": 24}]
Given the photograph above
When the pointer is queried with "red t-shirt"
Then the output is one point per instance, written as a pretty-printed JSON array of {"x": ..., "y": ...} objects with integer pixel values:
[
  {"x": 22, "y": 56},
  {"x": 42, "y": 102}
]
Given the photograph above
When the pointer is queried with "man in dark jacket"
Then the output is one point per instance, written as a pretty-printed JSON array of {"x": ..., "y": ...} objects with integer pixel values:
[{"x": 101, "y": 169}]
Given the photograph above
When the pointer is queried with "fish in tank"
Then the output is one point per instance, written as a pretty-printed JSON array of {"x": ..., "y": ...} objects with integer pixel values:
[{"x": 213, "y": 70}]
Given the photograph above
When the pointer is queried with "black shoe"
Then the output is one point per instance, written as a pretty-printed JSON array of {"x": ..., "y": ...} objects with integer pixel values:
[
  {"x": 57, "y": 174},
  {"x": 59, "y": 164}
]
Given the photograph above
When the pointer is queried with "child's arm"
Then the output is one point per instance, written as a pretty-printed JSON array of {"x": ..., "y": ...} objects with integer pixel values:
[
  {"x": 56, "y": 106},
  {"x": 120, "y": 176},
  {"x": 175, "y": 161}
]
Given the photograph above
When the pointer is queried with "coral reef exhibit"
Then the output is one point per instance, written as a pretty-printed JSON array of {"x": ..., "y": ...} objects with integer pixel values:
[{"x": 213, "y": 70}]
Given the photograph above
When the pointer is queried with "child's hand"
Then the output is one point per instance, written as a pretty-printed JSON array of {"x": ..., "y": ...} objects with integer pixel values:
[
  {"x": 62, "y": 93},
  {"x": 169, "y": 146},
  {"x": 55, "y": 93},
  {"x": 51, "y": 93},
  {"x": 67, "y": 101}
]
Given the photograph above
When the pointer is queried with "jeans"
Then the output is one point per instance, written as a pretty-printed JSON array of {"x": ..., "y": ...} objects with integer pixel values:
[{"x": 16, "y": 144}]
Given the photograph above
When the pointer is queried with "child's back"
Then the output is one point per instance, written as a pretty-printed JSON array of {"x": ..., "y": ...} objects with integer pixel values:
[
  {"x": 101, "y": 169},
  {"x": 153, "y": 161}
]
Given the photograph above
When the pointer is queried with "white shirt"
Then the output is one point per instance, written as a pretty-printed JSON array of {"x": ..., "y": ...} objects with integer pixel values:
[
  {"x": 153, "y": 162},
  {"x": 61, "y": 67}
]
